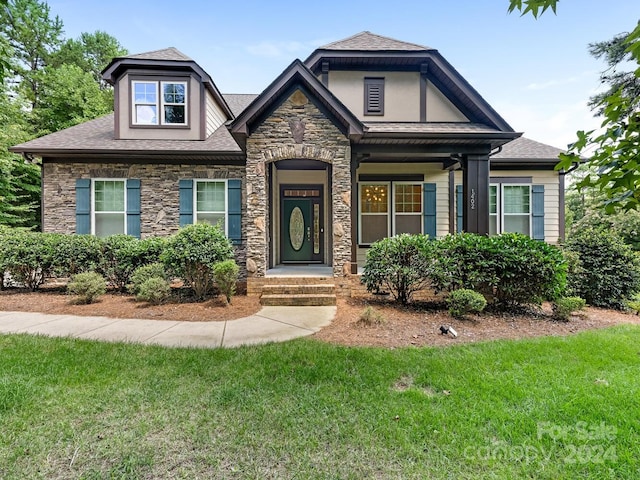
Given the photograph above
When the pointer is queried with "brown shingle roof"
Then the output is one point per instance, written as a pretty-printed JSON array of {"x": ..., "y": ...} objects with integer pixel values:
[
  {"x": 238, "y": 101},
  {"x": 432, "y": 127},
  {"x": 372, "y": 42},
  {"x": 170, "y": 53},
  {"x": 524, "y": 148},
  {"x": 96, "y": 136}
]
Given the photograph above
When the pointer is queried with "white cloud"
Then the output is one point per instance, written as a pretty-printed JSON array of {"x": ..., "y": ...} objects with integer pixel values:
[
  {"x": 279, "y": 49},
  {"x": 559, "y": 81},
  {"x": 557, "y": 128}
]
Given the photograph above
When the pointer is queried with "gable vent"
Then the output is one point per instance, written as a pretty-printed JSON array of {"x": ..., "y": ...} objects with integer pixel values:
[{"x": 373, "y": 96}]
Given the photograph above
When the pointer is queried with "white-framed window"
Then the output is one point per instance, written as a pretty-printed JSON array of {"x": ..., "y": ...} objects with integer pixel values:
[
  {"x": 210, "y": 202},
  {"x": 510, "y": 208},
  {"x": 389, "y": 208},
  {"x": 159, "y": 103},
  {"x": 108, "y": 207}
]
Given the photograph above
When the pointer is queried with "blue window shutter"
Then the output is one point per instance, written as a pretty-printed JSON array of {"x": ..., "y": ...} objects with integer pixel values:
[
  {"x": 459, "y": 208},
  {"x": 133, "y": 207},
  {"x": 83, "y": 206},
  {"x": 429, "y": 209},
  {"x": 537, "y": 212},
  {"x": 234, "y": 213},
  {"x": 186, "y": 202}
]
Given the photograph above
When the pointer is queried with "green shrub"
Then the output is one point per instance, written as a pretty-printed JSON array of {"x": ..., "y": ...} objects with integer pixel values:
[
  {"x": 634, "y": 304},
  {"x": 512, "y": 269},
  {"x": 148, "y": 250},
  {"x": 226, "y": 277},
  {"x": 464, "y": 301},
  {"x": 193, "y": 251},
  {"x": 563, "y": 307},
  {"x": 119, "y": 260},
  {"x": 76, "y": 254},
  {"x": 87, "y": 286},
  {"x": 154, "y": 290},
  {"x": 609, "y": 272},
  {"x": 400, "y": 264},
  {"x": 144, "y": 273},
  {"x": 370, "y": 316},
  {"x": 28, "y": 256}
]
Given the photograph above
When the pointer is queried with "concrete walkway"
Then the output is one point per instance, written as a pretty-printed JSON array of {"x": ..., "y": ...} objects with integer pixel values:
[{"x": 271, "y": 324}]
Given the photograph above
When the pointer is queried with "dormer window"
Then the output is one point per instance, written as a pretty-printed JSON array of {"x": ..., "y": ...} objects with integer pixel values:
[{"x": 168, "y": 108}]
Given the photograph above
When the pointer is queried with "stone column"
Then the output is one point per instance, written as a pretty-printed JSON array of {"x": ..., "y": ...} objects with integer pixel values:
[
  {"x": 475, "y": 192},
  {"x": 341, "y": 204},
  {"x": 256, "y": 213}
]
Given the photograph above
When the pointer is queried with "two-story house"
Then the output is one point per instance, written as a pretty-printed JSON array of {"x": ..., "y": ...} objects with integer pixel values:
[{"x": 368, "y": 138}]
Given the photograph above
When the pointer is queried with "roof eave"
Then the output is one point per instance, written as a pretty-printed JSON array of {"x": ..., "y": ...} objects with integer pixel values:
[
  {"x": 295, "y": 72},
  {"x": 110, "y": 74}
]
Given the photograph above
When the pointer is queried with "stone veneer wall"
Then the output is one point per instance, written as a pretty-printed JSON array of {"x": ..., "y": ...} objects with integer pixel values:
[
  {"x": 159, "y": 193},
  {"x": 274, "y": 140}
]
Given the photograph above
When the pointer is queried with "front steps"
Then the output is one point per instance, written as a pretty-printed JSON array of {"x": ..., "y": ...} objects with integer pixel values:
[{"x": 299, "y": 292}]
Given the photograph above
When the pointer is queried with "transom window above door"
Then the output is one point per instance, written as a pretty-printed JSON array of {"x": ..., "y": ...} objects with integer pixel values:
[{"x": 159, "y": 103}]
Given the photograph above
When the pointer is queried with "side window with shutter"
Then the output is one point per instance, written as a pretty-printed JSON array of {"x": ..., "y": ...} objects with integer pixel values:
[{"x": 373, "y": 96}]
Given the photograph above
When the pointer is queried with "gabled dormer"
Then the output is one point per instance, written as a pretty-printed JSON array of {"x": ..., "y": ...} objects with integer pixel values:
[
  {"x": 381, "y": 79},
  {"x": 164, "y": 94}
]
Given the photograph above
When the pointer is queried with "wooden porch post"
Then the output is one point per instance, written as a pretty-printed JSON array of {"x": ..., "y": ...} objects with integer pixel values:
[
  {"x": 475, "y": 192},
  {"x": 354, "y": 214}
]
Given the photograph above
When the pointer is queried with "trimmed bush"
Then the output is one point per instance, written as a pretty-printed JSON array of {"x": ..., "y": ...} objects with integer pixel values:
[
  {"x": 148, "y": 250},
  {"x": 226, "y": 277},
  {"x": 462, "y": 302},
  {"x": 564, "y": 307},
  {"x": 609, "y": 272},
  {"x": 193, "y": 251},
  {"x": 144, "y": 273},
  {"x": 76, "y": 254},
  {"x": 400, "y": 264},
  {"x": 119, "y": 260},
  {"x": 28, "y": 256},
  {"x": 154, "y": 290},
  {"x": 512, "y": 269},
  {"x": 87, "y": 286}
]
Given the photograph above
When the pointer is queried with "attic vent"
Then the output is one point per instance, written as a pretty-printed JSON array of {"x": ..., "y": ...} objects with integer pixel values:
[{"x": 373, "y": 96}]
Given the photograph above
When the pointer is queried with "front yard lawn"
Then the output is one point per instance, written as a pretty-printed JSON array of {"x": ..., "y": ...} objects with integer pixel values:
[{"x": 555, "y": 407}]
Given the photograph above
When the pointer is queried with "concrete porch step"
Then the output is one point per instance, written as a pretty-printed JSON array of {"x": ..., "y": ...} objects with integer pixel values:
[
  {"x": 298, "y": 299},
  {"x": 292, "y": 289}
]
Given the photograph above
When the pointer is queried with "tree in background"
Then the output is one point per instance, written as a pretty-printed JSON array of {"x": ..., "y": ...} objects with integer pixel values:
[
  {"x": 91, "y": 52},
  {"x": 27, "y": 27},
  {"x": 47, "y": 83}
]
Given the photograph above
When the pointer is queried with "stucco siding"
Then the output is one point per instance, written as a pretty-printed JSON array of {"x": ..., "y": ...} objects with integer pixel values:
[
  {"x": 440, "y": 109},
  {"x": 401, "y": 94}
]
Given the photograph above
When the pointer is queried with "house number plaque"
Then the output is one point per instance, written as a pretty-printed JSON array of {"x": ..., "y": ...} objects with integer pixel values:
[{"x": 472, "y": 200}]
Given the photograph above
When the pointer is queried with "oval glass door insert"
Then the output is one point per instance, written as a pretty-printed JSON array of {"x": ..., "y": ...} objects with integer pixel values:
[{"x": 296, "y": 228}]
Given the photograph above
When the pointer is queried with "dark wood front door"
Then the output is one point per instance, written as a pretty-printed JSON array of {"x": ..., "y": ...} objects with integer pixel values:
[{"x": 301, "y": 231}]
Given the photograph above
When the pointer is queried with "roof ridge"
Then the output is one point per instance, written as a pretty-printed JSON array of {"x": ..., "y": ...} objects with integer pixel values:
[
  {"x": 161, "y": 54},
  {"x": 385, "y": 43}
]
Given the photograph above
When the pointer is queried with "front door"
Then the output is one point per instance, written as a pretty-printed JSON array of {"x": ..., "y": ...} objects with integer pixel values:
[{"x": 301, "y": 232}]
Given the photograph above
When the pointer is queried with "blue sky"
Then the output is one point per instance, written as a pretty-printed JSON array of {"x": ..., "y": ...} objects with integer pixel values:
[{"x": 537, "y": 74}]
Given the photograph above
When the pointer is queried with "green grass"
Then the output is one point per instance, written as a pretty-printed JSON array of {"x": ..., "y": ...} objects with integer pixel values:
[{"x": 566, "y": 407}]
